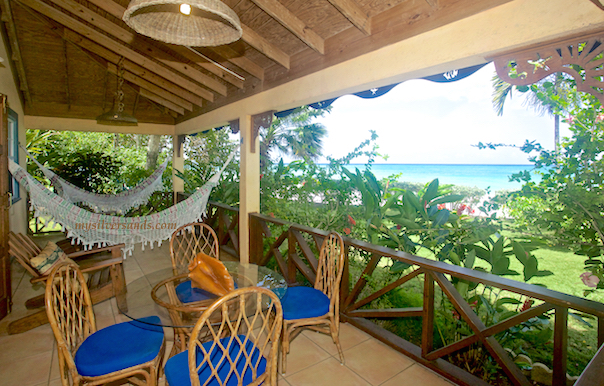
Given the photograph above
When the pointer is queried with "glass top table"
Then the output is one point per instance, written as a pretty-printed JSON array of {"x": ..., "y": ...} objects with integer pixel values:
[{"x": 154, "y": 293}]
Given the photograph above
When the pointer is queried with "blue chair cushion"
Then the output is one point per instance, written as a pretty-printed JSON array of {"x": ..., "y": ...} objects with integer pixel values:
[
  {"x": 188, "y": 294},
  {"x": 120, "y": 346},
  {"x": 177, "y": 367},
  {"x": 304, "y": 302}
]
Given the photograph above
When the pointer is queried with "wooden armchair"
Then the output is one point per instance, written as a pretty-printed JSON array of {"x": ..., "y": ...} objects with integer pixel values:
[{"x": 103, "y": 266}]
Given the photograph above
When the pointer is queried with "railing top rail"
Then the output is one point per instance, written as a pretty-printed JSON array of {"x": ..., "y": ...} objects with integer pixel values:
[{"x": 531, "y": 290}]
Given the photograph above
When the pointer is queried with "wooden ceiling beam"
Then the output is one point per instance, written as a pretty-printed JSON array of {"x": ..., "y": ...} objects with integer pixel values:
[
  {"x": 130, "y": 77},
  {"x": 132, "y": 39},
  {"x": 133, "y": 68},
  {"x": 116, "y": 47},
  {"x": 290, "y": 21},
  {"x": 261, "y": 44},
  {"x": 240, "y": 61},
  {"x": 7, "y": 18},
  {"x": 117, "y": 11},
  {"x": 159, "y": 100},
  {"x": 351, "y": 10}
]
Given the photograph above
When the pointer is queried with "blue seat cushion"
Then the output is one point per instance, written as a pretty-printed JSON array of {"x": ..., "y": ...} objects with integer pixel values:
[
  {"x": 120, "y": 346},
  {"x": 177, "y": 367},
  {"x": 188, "y": 294},
  {"x": 304, "y": 302}
]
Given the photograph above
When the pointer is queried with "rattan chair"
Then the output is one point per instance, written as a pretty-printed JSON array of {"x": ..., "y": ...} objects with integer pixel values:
[
  {"x": 188, "y": 241},
  {"x": 89, "y": 356},
  {"x": 187, "y": 303},
  {"x": 316, "y": 308},
  {"x": 244, "y": 326}
]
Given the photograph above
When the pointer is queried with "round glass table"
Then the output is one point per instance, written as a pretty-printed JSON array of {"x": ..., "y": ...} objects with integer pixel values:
[{"x": 156, "y": 293}]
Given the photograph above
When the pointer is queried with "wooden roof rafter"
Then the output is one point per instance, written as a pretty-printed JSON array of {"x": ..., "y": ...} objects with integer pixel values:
[
  {"x": 290, "y": 21},
  {"x": 131, "y": 67},
  {"x": 116, "y": 47},
  {"x": 7, "y": 18},
  {"x": 351, "y": 10},
  {"x": 131, "y": 39},
  {"x": 170, "y": 101}
]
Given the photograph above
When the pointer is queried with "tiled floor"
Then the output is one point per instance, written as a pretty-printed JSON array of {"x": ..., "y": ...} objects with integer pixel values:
[{"x": 30, "y": 359}]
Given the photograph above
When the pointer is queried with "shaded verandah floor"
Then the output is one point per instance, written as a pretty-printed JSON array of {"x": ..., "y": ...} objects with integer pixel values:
[{"x": 30, "y": 359}]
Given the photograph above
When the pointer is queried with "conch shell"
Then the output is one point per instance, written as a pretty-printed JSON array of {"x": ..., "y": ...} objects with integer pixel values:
[{"x": 210, "y": 275}]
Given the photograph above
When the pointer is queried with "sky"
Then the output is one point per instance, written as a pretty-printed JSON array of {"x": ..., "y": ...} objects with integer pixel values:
[{"x": 423, "y": 122}]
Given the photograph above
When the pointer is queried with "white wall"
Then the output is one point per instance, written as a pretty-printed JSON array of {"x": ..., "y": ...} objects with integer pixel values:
[{"x": 18, "y": 212}]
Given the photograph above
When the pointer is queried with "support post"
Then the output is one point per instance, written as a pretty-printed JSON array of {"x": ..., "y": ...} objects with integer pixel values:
[
  {"x": 178, "y": 163},
  {"x": 249, "y": 185},
  {"x": 428, "y": 315}
]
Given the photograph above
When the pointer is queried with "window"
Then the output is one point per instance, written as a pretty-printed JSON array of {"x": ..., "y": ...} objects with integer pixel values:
[{"x": 13, "y": 151}]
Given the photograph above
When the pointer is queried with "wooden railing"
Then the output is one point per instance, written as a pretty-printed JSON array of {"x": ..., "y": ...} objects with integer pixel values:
[{"x": 304, "y": 242}]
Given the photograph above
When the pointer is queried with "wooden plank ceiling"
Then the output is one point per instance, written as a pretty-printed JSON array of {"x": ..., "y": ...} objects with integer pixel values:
[{"x": 65, "y": 52}]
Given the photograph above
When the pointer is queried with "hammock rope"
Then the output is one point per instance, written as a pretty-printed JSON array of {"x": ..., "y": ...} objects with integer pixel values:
[
  {"x": 119, "y": 203},
  {"x": 90, "y": 229}
]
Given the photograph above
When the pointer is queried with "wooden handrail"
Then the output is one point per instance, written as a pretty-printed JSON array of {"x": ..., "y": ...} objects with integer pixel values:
[{"x": 300, "y": 258}]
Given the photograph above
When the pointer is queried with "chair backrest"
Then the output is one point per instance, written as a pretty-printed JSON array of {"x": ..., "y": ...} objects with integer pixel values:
[
  {"x": 330, "y": 268},
  {"x": 188, "y": 241},
  {"x": 23, "y": 249},
  {"x": 249, "y": 318},
  {"x": 70, "y": 313}
]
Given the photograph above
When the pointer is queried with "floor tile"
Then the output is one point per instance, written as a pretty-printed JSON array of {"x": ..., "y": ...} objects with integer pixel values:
[
  {"x": 416, "y": 375},
  {"x": 33, "y": 342},
  {"x": 28, "y": 371},
  {"x": 349, "y": 337},
  {"x": 375, "y": 362},
  {"x": 302, "y": 354},
  {"x": 327, "y": 372}
]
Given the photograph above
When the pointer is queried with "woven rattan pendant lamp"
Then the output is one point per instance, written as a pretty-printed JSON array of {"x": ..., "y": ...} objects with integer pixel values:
[{"x": 193, "y": 23}]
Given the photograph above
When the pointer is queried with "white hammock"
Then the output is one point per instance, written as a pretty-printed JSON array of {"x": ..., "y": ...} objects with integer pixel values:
[
  {"x": 103, "y": 203},
  {"x": 90, "y": 229}
]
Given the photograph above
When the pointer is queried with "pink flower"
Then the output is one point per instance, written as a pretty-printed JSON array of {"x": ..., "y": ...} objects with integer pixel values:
[
  {"x": 347, "y": 231},
  {"x": 570, "y": 119},
  {"x": 441, "y": 206},
  {"x": 351, "y": 220},
  {"x": 600, "y": 117},
  {"x": 589, "y": 279}
]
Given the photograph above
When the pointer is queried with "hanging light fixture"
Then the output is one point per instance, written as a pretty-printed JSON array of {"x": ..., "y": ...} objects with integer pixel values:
[
  {"x": 116, "y": 116},
  {"x": 193, "y": 23}
]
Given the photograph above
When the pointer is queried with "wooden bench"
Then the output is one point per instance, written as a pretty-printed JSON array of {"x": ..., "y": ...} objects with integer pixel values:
[{"x": 104, "y": 266}]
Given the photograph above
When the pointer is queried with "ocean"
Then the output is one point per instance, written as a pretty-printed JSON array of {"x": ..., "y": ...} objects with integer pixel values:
[{"x": 493, "y": 177}]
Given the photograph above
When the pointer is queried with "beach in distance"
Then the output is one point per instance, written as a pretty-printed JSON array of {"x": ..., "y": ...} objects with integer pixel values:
[{"x": 493, "y": 177}]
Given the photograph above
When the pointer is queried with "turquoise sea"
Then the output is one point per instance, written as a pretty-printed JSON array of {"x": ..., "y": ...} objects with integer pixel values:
[{"x": 494, "y": 177}]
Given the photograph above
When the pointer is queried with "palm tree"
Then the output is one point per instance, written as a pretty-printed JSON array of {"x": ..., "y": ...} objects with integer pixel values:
[
  {"x": 295, "y": 135},
  {"x": 559, "y": 85}
]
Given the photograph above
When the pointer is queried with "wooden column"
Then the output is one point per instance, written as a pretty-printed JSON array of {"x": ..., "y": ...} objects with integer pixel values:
[
  {"x": 5, "y": 286},
  {"x": 428, "y": 315},
  {"x": 249, "y": 184},
  {"x": 178, "y": 163}
]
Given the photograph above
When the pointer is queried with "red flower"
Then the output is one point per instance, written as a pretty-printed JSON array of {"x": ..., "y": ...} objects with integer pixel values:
[
  {"x": 455, "y": 314},
  {"x": 398, "y": 227},
  {"x": 351, "y": 220},
  {"x": 347, "y": 231},
  {"x": 441, "y": 206},
  {"x": 262, "y": 175},
  {"x": 528, "y": 303},
  {"x": 272, "y": 214}
]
